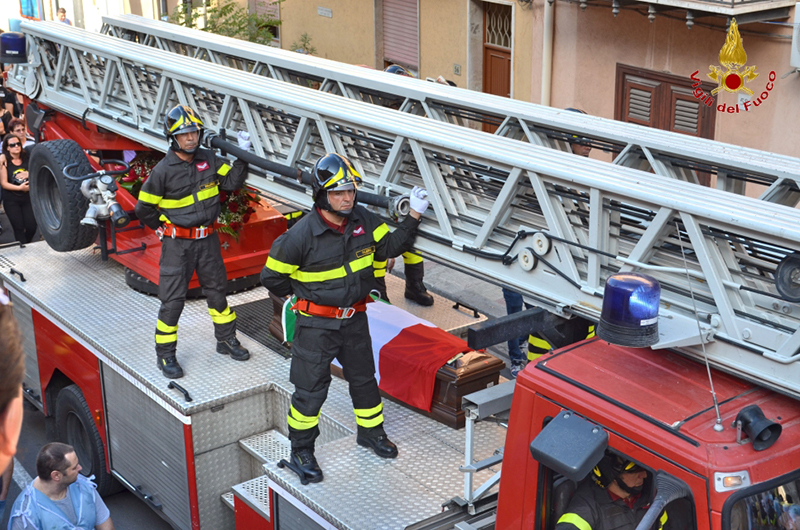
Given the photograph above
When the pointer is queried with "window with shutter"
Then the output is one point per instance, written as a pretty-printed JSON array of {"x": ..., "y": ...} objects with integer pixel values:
[
  {"x": 400, "y": 32},
  {"x": 272, "y": 9}
]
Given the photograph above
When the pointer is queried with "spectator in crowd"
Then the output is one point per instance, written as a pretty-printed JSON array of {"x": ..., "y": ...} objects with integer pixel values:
[
  {"x": 16, "y": 189},
  {"x": 12, "y": 370},
  {"x": 59, "y": 494},
  {"x": 17, "y": 128},
  {"x": 62, "y": 16}
]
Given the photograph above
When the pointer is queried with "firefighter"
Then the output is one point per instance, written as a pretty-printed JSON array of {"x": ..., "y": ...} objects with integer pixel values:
[
  {"x": 414, "y": 267},
  {"x": 326, "y": 260},
  {"x": 616, "y": 498},
  {"x": 180, "y": 200}
]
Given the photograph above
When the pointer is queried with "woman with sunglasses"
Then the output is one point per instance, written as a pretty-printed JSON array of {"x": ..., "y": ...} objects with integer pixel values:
[{"x": 16, "y": 189}]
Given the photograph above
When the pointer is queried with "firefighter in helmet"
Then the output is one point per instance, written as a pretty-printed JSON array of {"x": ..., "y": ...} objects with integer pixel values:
[
  {"x": 414, "y": 267},
  {"x": 326, "y": 261},
  {"x": 180, "y": 200},
  {"x": 616, "y": 497}
]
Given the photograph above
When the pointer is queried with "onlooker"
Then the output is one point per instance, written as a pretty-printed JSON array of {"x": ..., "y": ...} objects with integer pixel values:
[
  {"x": 59, "y": 493},
  {"x": 514, "y": 304},
  {"x": 16, "y": 194},
  {"x": 12, "y": 370},
  {"x": 62, "y": 16},
  {"x": 17, "y": 128}
]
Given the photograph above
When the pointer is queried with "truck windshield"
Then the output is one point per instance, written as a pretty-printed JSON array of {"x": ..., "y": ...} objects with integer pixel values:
[{"x": 775, "y": 508}]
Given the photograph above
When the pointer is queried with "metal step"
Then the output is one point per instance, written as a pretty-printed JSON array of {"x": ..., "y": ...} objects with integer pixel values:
[
  {"x": 270, "y": 446},
  {"x": 254, "y": 493},
  {"x": 227, "y": 499}
]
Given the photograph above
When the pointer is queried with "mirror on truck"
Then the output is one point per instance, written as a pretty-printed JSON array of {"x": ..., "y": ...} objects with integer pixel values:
[{"x": 570, "y": 445}]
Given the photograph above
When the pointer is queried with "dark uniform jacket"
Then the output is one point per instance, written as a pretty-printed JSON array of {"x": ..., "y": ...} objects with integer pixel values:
[
  {"x": 591, "y": 508},
  {"x": 317, "y": 263},
  {"x": 186, "y": 194}
]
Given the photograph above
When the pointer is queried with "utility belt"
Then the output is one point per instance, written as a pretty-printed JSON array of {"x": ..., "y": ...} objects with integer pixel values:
[
  {"x": 328, "y": 311},
  {"x": 170, "y": 230}
]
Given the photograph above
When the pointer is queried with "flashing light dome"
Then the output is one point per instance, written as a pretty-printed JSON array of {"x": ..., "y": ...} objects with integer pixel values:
[
  {"x": 12, "y": 48},
  {"x": 630, "y": 310}
]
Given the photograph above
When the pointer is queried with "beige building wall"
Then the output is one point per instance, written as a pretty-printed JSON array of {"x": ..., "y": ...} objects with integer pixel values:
[
  {"x": 347, "y": 36},
  {"x": 443, "y": 39}
]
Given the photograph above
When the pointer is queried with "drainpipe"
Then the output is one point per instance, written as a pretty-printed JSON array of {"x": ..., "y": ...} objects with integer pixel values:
[{"x": 547, "y": 50}]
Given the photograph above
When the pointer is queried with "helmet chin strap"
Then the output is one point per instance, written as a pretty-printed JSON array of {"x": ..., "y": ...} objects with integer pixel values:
[{"x": 628, "y": 489}]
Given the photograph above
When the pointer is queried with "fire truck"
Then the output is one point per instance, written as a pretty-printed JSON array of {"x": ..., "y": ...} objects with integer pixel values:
[{"x": 709, "y": 409}]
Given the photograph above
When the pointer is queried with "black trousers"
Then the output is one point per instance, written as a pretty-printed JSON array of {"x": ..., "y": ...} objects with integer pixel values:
[
  {"x": 313, "y": 350},
  {"x": 180, "y": 258},
  {"x": 20, "y": 212}
]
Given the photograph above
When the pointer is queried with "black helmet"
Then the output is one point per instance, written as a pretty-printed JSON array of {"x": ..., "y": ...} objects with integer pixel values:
[
  {"x": 612, "y": 466},
  {"x": 399, "y": 70},
  {"x": 179, "y": 120},
  {"x": 333, "y": 172}
]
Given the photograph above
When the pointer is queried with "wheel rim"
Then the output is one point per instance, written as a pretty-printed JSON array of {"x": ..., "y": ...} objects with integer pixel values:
[
  {"x": 78, "y": 438},
  {"x": 52, "y": 209}
]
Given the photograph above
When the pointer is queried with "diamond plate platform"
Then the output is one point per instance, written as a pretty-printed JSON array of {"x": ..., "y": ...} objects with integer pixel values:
[
  {"x": 254, "y": 493},
  {"x": 227, "y": 499},
  {"x": 270, "y": 446}
]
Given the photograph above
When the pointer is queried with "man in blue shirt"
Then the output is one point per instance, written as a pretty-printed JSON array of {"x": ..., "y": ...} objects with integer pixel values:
[{"x": 59, "y": 497}]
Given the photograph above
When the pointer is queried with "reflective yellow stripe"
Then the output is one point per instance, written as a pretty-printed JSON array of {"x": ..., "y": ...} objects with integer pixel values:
[
  {"x": 538, "y": 343},
  {"x": 379, "y": 232},
  {"x": 576, "y": 520},
  {"x": 533, "y": 356},
  {"x": 380, "y": 268},
  {"x": 336, "y": 178},
  {"x": 207, "y": 194},
  {"x": 160, "y": 326},
  {"x": 361, "y": 263},
  {"x": 149, "y": 198},
  {"x": 299, "y": 421},
  {"x": 279, "y": 266},
  {"x": 411, "y": 259},
  {"x": 663, "y": 520},
  {"x": 164, "y": 339},
  {"x": 176, "y": 124},
  {"x": 177, "y": 203},
  {"x": 366, "y": 413},
  {"x": 591, "y": 332},
  {"x": 222, "y": 171},
  {"x": 369, "y": 424},
  {"x": 306, "y": 277},
  {"x": 163, "y": 218},
  {"x": 222, "y": 318}
]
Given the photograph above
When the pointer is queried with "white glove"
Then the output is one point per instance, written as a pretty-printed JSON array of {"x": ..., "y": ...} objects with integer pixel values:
[
  {"x": 419, "y": 200},
  {"x": 243, "y": 138}
]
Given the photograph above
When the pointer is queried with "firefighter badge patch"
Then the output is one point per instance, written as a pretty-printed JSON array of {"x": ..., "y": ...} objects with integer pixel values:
[
  {"x": 359, "y": 231},
  {"x": 202, "y": 166}
]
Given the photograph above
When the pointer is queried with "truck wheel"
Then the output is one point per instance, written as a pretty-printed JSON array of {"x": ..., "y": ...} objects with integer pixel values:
[
  {"x": 75, "y": 426},
  {"x": 58, "y": 203},
  {"x": 143, "y": 285}
]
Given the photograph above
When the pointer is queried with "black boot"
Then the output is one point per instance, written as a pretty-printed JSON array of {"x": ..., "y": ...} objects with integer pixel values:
[
  {"x": 170, "y": 367},
  {"x": 382, "y": 446},
  {"x": 233, "y": 348},
  {"x": 304, "y": 464},
  {"x": 415, "y": 289}
]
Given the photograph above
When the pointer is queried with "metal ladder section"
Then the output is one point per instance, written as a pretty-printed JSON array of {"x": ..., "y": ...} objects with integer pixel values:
[
  {"x": 548, "y": 224},
  {"x": 662, "y": 152}
]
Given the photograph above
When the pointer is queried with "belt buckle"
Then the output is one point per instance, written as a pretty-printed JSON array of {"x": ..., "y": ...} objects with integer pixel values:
[
  {"x": 202, "y": 232},
  {"x": 345, "y": 312}
]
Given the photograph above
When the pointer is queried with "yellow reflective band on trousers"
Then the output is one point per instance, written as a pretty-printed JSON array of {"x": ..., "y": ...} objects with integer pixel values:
[
  {"x": 301, "y": 422},
  {"x": 663, "y": 520},
  {"x": 160, "y": 326},
  {"x": 279, "y": 266},
  {"x": 379, "y": 232},
  {"x": 223, "y": 170},
  {"x": 537, "y": 347},
  {"x": 166, "y": 339},
  {"x": 409, "y": 258},
  {"x": 590, "y": 335},
  {"x": 575, "y": 520},
  {"x": 369, "y": 418},
  {"x": 380, "y": 268},
  {"x": 149, "y": 198},
  {"x": 222, "y": 318}
]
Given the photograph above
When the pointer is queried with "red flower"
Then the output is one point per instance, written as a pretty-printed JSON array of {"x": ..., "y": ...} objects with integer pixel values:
[
  {"x": 246, "y": 218},
  {"x": 232, "y": 206},
  {"x": 236, "y": 226},
  {"x": 223, "y": 196}
]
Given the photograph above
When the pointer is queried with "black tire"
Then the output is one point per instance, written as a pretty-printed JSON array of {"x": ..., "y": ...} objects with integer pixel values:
[
  {"x": 143, "y": 285},
  {"x": 75, "y": 426},
  {"x": 58, "y": 203}
]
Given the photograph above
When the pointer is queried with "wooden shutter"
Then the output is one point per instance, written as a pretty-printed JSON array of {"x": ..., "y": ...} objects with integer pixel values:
[{"x": 400, "y": 32}]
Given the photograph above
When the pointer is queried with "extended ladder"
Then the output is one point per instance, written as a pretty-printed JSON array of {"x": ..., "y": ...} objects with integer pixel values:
[
  {"x": 662, "y": 152},
  {"x": 581, "y": 219}
]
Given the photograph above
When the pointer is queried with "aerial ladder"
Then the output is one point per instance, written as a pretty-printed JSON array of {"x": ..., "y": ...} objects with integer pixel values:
[
  {"x": 664, "y": 153},
  {"x": 548, "y": 224}
]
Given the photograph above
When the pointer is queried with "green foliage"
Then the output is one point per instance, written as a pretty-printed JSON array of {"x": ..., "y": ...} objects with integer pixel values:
[
  {"x": 226, "y": 17},
  {"x": 305, "y": 45}
]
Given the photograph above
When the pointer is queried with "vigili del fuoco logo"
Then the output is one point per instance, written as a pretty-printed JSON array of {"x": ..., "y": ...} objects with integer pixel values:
[{"x": 733, "y": 76}]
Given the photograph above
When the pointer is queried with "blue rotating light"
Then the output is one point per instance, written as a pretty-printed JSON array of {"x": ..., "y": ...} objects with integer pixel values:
[
  {"x": 630, "y": 310},
  {"x": 12, "y": 48}
]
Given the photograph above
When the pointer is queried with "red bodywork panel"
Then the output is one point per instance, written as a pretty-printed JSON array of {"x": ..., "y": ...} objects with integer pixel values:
[
  {"x": 56, "y": 350},
  {"x": 191, "y": 476},
  {"x": 247, "y": 518},
  {"x": 245, "y": 257},
  {"x": 637, "y": 395}
]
